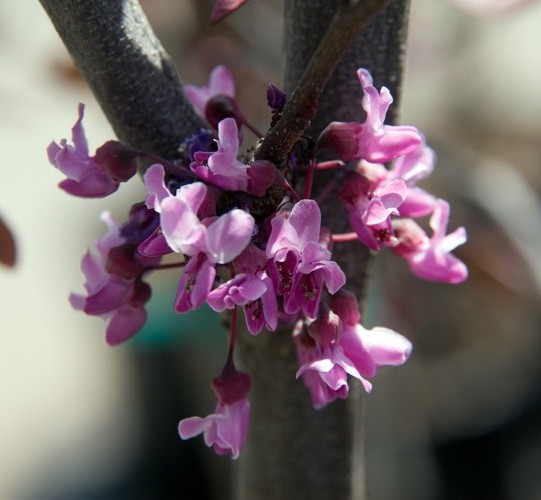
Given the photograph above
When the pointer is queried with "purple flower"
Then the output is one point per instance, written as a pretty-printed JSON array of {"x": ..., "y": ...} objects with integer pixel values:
[
  {"x": 114, "y": 288},
  {"x": 299, "y": 263},
  {"x": 430, "y": 259},
  {"x": 91, "y": 176},
  {"x": 371, "y": 140},
  {"x": 222, "y": 169}
]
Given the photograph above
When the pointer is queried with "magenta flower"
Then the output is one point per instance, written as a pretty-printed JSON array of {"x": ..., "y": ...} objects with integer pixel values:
[
  {"x": 370, "y": 207},
  {"x": 222, "y": 169},
  {"x": 251, "y": 288},
  {"x": 90, "y": 176},
  {"x": 371, "y": 140},
  {"x": 299, "y": 264},
  {"x": 221, "y": 83},
  {"x": 409, "y": 168},
  {"x": 430, "y": 259}
]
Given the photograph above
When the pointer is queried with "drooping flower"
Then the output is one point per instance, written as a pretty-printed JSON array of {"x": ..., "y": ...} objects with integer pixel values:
[
  {"x": 91, "y": 176},
  {"x": 299, "y": 264},
  {"x": 431, "y": 258},
  {"x": 371, "y": 140},
  {"x": 114, "y": 287},
  {"x": 226, "y": 429},
  {"x": 326, "y": 360}
]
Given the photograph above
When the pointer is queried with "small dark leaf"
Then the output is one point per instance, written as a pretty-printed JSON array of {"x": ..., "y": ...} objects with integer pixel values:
[{"x": 8, "y": 251}]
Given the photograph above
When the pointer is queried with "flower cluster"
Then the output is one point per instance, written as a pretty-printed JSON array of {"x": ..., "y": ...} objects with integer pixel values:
[{"x": 246, "y": 239}]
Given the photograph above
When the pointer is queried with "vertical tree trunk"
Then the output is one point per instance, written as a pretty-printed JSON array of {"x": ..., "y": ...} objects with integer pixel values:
[{"x": 293, "y": 451}]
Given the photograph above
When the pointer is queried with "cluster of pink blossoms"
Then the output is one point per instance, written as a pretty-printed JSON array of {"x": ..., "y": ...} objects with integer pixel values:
[{"x": 272, "y": 259}]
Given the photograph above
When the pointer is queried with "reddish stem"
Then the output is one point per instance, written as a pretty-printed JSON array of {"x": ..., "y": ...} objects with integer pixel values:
[
  {"x": 309, "y": 179},
  {"x": 326, "y": 165},
  {"x": 343, "y": 237}
]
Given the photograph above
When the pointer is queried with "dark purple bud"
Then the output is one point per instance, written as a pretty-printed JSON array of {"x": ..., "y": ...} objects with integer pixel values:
[
  {"x": 326, "y": 329},
  {"x": 220, "y": 107},
  {"x": 122, "y": 261},
  {"x": 117, "y": 160},
  {"x": 276, "y": 99},
  {"x": 140, "y": 225},
  {"x": 344, "y": 303},
  {"x": 202, "y": 140},
  {"x": 231, "y": 385}
]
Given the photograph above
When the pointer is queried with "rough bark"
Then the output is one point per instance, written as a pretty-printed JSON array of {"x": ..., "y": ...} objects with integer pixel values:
[
  {"x": 294, "y": 451},
  {"x": 127, "y": 69}
]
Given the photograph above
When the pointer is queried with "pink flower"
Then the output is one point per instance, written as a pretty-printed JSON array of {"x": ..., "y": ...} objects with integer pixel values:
[
  {"x": 299, "y": 263},
  {"x": 221, "y": 83},
  {"x": 222, "y": 169},
  {"x": 430, "y": 259},
  {"x": 227, "y": 428},
  {"x": 371, "y": 140},
  {"x": 409, "y": 168},
  {"x": 327, "y": 359},
  {"x": 91, "y": 176},
  {"x": 215, "y": 240}
]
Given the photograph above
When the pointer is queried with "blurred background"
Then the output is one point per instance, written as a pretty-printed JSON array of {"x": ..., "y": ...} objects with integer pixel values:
[{"x": 80, "y": 420}]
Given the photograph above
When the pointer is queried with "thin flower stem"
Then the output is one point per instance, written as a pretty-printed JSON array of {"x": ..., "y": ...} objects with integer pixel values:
[
  {"x": 326, "y": 165},
  {"x": 309, "y": 179},
  {"x": 291, "y": 191},
  {"x": 348, "y": 20},
  {"x": 232, "y": 332},
  {"x": 344, "y": 237}
]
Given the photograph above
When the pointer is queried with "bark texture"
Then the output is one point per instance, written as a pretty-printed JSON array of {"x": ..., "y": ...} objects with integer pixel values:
[
  {"x": 127, "y": 69},
  {"x": 294, "y": 451}
]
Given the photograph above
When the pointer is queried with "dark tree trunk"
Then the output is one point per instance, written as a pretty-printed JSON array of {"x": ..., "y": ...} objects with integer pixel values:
[{"x": 294, "y": 451}]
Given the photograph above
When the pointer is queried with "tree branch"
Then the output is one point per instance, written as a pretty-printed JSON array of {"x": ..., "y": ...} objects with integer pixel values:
[
  {"x": 349, "y": 17},
  {"x": 128, "y": 71}
]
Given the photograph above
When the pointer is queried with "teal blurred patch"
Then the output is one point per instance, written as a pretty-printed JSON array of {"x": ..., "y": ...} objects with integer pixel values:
[{"x": 166, "y": 329}]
